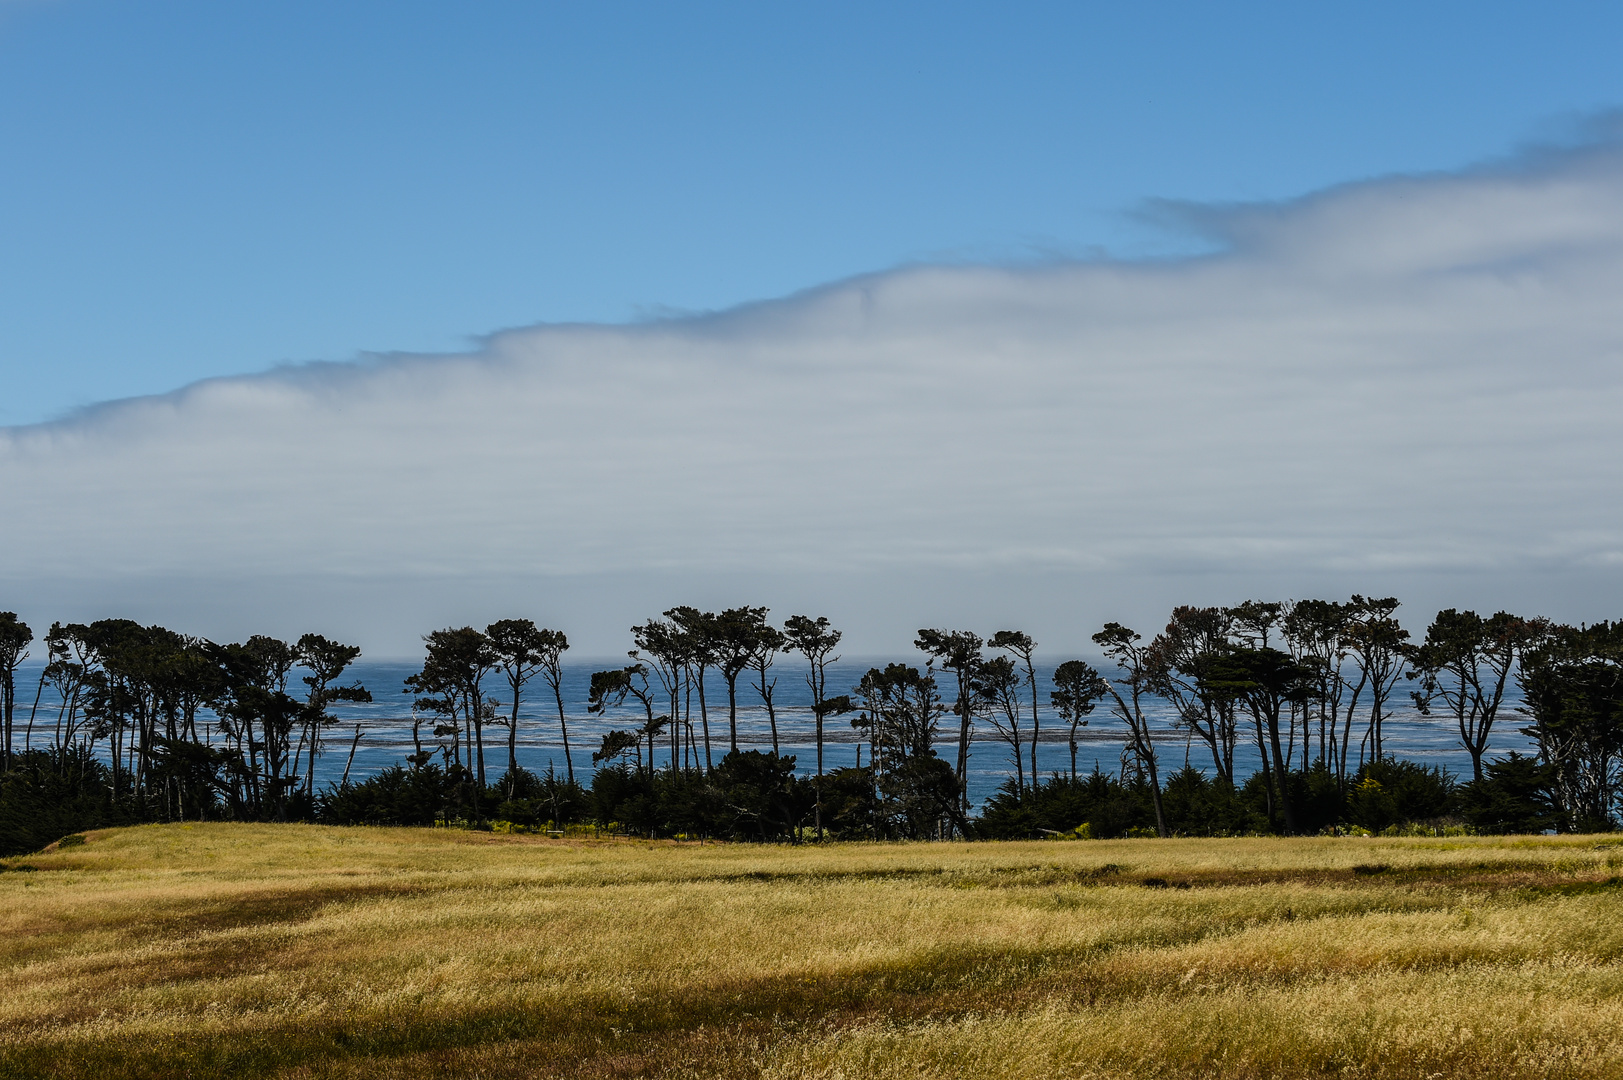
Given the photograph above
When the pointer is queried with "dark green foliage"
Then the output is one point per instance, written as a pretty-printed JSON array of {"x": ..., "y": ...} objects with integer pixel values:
[
  {"x": 420, "y": 795},
  {"x": 750, "y": 795},
  {"x": 1514, "y": 797},
  {"x": 44, "y": 798},
  {"x": 1573, "y": 684},
  {"x": 1393, "y": 791},
  {"x": 1061, "y": 805},
  {"x": 761, "y": 798},
  {"x": 851, "y": 804},
  {"x": 1198, "y": 805},
  {"x": 920, "y": 797},
  {"x": 524, "y": 798}
]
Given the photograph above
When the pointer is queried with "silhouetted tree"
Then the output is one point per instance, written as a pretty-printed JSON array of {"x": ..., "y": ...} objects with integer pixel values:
[
  {"x": 1022, "y": 647},
  {"x": 769, "y": 641},
  {"x": 735, "y": 637},
  {"x": 326, "y": 660},
  {"x": 457, "y": 662},
  {"x": 959, "y": 652},
  {"x": 519, "y": 646},
  {"x": 997, "y": 693},
  {"x": 1380, "y": 648},
  {"x": 550, "y": 646},
  {"x": 1572, "y": 683},
  {"x": 1078, "y": 688},
  {"x": 917, "y": 791},
  {"x": 1466, "y": 663},
  {"x": 1267, "y": 681},
  {"x": 699, "y": 636},
  {"x": 1120, "y": 645},
  {"x": 1315, "y": 631},
  {"x": 15, "y": 637},
  {"x": 1176, "y": 661},
  {"x": 816, "y": 640},
  {"x": 661, "y": 644}
]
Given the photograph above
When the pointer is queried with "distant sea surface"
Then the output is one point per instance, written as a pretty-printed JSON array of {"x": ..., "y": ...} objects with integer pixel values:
[{"x": 385, "y": 728}]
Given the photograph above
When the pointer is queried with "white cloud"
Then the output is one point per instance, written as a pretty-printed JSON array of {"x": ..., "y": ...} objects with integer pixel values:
[{"x": 1412, "y": 376}]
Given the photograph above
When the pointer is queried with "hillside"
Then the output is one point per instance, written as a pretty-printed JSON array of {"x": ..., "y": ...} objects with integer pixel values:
[{"x": 254, "y": 950}]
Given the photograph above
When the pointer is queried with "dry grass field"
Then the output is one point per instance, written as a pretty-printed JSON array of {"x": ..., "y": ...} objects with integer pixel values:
[{"x": 299, "y": 951}]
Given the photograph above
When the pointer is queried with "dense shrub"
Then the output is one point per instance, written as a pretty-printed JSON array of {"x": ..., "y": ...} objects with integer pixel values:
[
  {"x": 419, "y": 795},
  {"x": 1393, "y": 791},
  {"x": 46, "y": 797},
  {"x": 1514, "y": 797}
]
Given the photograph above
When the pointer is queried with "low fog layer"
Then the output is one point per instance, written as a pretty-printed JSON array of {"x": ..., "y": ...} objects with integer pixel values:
[{"x": 1408, "y": 384}]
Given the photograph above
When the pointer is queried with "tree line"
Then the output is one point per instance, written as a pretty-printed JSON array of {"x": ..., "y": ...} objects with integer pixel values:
[{"x": 145, "y": 724}]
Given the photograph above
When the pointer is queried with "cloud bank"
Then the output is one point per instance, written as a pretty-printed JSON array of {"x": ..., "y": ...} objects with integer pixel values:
[{"x": 1409, "y": 379}]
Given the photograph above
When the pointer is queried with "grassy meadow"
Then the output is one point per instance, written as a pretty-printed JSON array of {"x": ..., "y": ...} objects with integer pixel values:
[{"x": 303, "y": 951}]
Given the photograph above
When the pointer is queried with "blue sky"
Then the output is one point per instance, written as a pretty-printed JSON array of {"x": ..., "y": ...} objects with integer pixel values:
[
  {"x": 199, "y": 189},
  {"x": 1034, "y": 316}
]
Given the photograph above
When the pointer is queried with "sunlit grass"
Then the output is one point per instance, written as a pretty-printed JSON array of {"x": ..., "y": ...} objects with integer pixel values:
[{"x": 306, "y": 951}]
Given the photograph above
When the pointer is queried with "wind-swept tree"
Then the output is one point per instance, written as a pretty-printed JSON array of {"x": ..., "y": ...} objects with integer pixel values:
[
  {"x": 699, "y": 636},
  {"x": 997, "y": 693},
  {"x": 1020, "y": 646},
  {"x": 518, "y": 644},
  {"x": 769, "y": 642},
  {"x": 959, "y": 652},
  {"x": 1078, "y": 688},
  {"x": 15, "y": 637},
  {"x": 69, "y": 660},
  {"x": 1466, "y": 663},
  {"x": 256, "y": 708},
  {"x": 609, "y": 689},
  {"x": 1120, "y": 645},
  {"x": 662, "y": 645},
  {"x": 816, "y": 640},
  {"x": 1315, "y": 631},
  {"x": 918, "y": 795},
  {"x": 1572, "y": 682},
  {"x": 1380, "y": 649},
  {"x": 327, "y": 661},
  {"x": 550, "y": 646},
  {"x": 1268, "y": 681},
  {"x": 457, "y": 662},
  {"x": 1176, "y": 660},
  {"x": 735, "y": 637}
]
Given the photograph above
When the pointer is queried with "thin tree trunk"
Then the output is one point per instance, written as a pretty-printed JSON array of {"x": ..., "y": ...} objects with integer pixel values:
[
  {"x": 556, "y": 679},
  {"x": 704, "y": 718},
  {"x": 512, "y": 733},
  {"x": 351, "y": 760},
  {"x": 1031, "y": 680},
  {"x": 732, "y": 712}
]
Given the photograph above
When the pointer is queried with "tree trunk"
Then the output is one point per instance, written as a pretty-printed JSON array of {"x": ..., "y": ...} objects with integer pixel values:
[
  {"x": 563, "y": 724},
  {"x": 704, "y": 718},
  {"x": 732, "y": 712},
  {"x": 1281, "y": 774},
  {"x": 516, "y": 685}
]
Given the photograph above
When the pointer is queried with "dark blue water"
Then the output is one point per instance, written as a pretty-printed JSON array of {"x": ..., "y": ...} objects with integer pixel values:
[{"x": 385, "y": 727}]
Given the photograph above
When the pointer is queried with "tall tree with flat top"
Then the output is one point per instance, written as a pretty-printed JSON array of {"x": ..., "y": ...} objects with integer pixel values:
[
  {"x": 551, "y": 645},
  {"x": 1120, "y": 645},
  {"x": 816, "y": 640},
  {"x": 518, "y": 646},
  {"x": 1022, "y": 647},
  {"x": 959, "y": 652},
  {"x": 326, "y": 661},
  {"x": 735, "y": 635},
  {"x": 1466, "y": 663},
  {"x": 15, "y": 637},
  {"x": 1077, "y": 690}
]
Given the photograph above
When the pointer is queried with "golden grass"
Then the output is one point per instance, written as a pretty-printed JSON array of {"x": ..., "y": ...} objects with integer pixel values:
[{"x": 299, "y": 951}]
